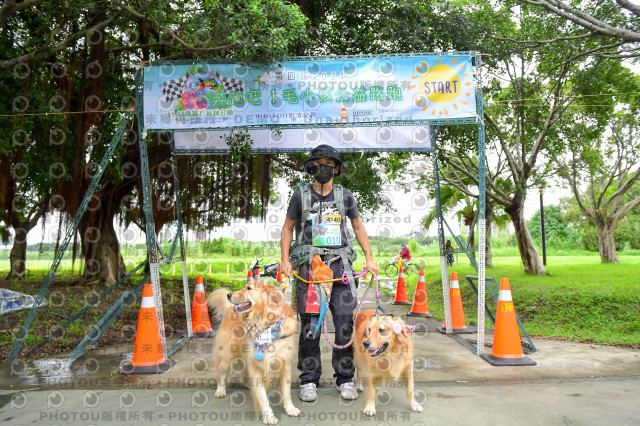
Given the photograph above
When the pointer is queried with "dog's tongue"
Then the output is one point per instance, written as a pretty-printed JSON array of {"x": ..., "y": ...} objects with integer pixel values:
[{"x": 241, "y": 306}]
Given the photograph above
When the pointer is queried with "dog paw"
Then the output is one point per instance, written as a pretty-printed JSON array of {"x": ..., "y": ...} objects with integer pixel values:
[
  {"x": 221, "y": 392},
  {"x": 292, "y": 411},
  {"x": 370, "y": 410},
  {"x": 416, "y": 407},
  {"x": 360, "y": 387},
  {"x": 268, "y": 418}
]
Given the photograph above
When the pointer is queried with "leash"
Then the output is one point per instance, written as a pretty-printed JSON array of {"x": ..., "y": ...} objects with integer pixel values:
[
  {"x": 353, "y": 331},
  {"x": 356, "y": 275}
]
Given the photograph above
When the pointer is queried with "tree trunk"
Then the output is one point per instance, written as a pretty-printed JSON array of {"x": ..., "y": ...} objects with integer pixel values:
[
  {"x": 18, "y": 255},
  {"x": 103, "y": 261},
  {"x": 472, "y": 242},
  {"x": 488, "y": 257},
  {"x": 528, "y": 252},
  {"x": 606, "y": 242}
]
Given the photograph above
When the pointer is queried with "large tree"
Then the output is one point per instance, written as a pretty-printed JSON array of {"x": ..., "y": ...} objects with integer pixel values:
[
  {"x": 87, "y": 51},
  {"x": 531, "y": 92},
  {"x": 602, "y": 173},
  {"x": 616, "y": 26}
]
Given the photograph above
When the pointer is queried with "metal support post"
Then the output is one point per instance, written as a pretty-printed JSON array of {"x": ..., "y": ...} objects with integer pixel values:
[
  {"x": 544, "y": 237},
  {"x": 152, "y": 248},
  {"x": 481, "y": 204},
  {"x": 444, "y": 267},
  {"x": 183, "y": 256}
]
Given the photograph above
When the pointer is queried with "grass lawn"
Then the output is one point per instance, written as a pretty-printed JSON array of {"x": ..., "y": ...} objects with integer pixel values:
[{"x": 580, "y": 299}]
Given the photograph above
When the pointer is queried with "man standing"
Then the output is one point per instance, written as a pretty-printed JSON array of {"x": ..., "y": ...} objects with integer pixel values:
[{"x": 318, "y": 213}]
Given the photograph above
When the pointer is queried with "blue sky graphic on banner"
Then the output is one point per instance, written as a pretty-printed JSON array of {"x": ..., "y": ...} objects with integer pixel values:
[{"x": 313, "y": 92}]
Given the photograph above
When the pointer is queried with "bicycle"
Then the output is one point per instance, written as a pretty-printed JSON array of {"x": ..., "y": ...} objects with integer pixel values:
[{"x": 391, "y": 270}]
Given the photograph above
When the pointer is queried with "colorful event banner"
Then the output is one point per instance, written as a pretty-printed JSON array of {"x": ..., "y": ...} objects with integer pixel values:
[
  {"x": 314, "y": 92},
  {"x": 392, "y": 138}
]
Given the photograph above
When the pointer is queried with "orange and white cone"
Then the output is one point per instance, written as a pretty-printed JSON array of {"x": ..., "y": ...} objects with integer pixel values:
[
  {"x": 458, "y": 323},
  {"x": 279, "y": 276},
  {"x": 401, "y": 290},
  {"x": 249, "y": 276},
  {"x": 147, "y": 348},
  {"x": 364, "y": 269},
  {"x": 257, "y": 274},
  {"x": 507, "y": 347},
  {"x": 420, "y": 306},
  {"x": 200, "y": 322}
]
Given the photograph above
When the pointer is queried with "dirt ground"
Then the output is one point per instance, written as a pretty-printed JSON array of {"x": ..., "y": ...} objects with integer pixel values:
[{"x": 68, "y": 296}]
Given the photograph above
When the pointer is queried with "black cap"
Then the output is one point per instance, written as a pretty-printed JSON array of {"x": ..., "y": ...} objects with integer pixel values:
[{"x": 323, "y": 151}]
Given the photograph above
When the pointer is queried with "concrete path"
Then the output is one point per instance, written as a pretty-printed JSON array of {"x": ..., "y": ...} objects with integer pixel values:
[
  {"x": 573, "y": 383},
  {"x": 582, "y": 402}
]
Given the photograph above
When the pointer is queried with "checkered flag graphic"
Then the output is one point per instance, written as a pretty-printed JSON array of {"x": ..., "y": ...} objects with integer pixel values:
[
  {"x": 230, "y": 84},
  {"x": 172, "y": 89}
]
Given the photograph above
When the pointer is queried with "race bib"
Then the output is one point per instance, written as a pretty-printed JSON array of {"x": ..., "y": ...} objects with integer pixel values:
[{"x": 326, "y": 233}]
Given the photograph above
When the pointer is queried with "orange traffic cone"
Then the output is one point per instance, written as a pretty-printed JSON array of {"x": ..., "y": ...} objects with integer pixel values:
[
  {"x": 279, "y": 276},
  {"x": 507, "y": 348},
  {"x": 257, "y": 274},
  {"x": 364, "y": 269},
  {"x": 147, "y": 348},
  {"x": 249, "y": 276},
  {"x": 458, "y": 323},
  {"x": 401, "y": 290},
  {"x": 420, "y": 306},
  {"x": 200, "y": 323}
]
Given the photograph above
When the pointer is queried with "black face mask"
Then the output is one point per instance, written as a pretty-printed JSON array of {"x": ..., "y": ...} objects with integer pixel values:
[{"x": 322, "y": 172}]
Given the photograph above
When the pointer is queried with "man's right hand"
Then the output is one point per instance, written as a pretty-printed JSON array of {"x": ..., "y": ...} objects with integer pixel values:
[{"x": 285, "y": 265}]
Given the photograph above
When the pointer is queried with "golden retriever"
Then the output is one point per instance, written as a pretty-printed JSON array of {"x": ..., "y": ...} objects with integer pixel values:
[
  {"x": 244, "y": 314},
  {"x": 382, "y": 349}
]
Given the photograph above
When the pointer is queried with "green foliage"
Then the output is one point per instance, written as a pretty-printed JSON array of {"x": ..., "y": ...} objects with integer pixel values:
[
  {"x": 579, "y": 295},
  {"x": 557, "y": 231}
]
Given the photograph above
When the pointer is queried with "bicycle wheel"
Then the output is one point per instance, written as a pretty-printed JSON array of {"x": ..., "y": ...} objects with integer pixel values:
[
  {"x": 412, "y": 269},
  {"x": 391, "y": 270}
]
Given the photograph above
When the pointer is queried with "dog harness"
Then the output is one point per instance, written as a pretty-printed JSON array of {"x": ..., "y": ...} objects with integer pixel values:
[{"x": 265, "y": 338}]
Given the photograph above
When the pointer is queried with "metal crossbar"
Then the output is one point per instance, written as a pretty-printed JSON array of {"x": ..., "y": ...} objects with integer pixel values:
[
  {"x": 24, "y": 329},
  {"x": 85, "y": 309},
  {"x": 126, "y": 299},
  {"x": 116, "y": 310}
]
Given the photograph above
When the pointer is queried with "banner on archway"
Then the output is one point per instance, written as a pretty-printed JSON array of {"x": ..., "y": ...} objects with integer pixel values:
[
  {"x": 345, "y": 139},
  {"x": 310, "y": 92}
]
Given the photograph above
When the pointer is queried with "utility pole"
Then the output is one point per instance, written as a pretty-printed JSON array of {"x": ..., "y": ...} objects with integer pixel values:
[{"x": 544, "y": 243}]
